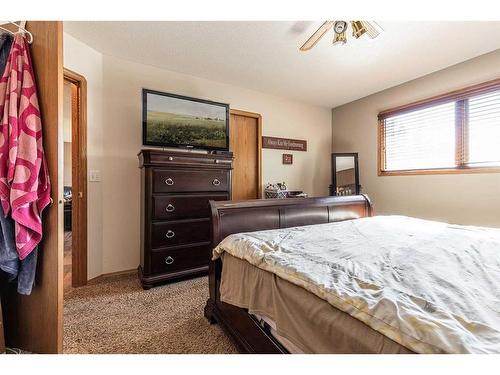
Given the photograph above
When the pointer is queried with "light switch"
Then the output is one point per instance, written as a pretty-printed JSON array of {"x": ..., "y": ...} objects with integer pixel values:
[{"x": 95, "y": 176}]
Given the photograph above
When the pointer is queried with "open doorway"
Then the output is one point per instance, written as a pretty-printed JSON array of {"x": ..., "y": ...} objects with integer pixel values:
[{"x": 75, "y": 179}]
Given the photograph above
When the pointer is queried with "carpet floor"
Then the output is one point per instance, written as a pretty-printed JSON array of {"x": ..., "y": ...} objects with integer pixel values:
[{"x": 115, "y": 315}]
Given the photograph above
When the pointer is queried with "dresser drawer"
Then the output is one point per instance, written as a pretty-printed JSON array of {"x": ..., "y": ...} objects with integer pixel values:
[
  {"x": 186, "y": 180},
  {"x": 174, "y": 207},
  {"x": 158, "y": 158},
  {"x": 180, "y": 233},
  {"x": 179, "y": 259},
  {"x": 195, "y": 159}
]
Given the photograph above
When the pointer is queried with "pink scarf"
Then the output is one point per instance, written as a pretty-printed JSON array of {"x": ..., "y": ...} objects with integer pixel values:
[{"x": 24, "y": 178}]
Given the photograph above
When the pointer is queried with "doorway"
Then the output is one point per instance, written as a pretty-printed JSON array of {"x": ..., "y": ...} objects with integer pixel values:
[
  {"x": 75, "y": 179},
  {"x": 245, "y": 141}
]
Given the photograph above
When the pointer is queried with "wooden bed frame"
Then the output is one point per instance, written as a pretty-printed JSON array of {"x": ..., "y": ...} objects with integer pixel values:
[{"x": 230, "y": 217}]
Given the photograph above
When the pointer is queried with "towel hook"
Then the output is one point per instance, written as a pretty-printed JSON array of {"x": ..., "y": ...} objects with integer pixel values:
[{"x": 21, "y": 27}]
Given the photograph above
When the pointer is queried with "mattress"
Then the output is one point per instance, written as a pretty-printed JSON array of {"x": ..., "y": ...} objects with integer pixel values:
[
  {"x": 430, "y": 287},
  {"x": 299, "y": 320}
]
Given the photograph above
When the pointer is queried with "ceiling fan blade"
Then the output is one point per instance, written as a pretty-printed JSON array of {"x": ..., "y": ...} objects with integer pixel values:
[
  {"x": 311, "y": 42},
  {"x": 372, "y": 28}
]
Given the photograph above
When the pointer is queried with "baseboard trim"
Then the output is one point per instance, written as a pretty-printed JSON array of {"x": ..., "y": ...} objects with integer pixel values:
[{"x": 118, "y": 273}]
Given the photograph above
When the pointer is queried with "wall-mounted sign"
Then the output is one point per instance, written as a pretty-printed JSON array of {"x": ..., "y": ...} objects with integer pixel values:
[
  {"x": 287, "y": 159},
  {"x": 284, "y": 144}
]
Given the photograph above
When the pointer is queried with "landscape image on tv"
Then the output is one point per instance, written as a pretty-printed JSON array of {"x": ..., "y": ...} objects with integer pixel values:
[{"x": 177, "y": 121}]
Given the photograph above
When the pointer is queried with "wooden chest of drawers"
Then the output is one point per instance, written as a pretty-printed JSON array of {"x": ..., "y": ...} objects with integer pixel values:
[{"x": 175, "y": 216}]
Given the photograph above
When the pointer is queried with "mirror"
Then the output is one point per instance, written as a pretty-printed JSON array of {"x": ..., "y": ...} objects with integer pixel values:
[{"x": 345, "y": 174}]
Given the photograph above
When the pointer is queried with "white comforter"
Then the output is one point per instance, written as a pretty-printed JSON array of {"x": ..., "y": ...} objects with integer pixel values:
[{"x": 432, "y": 287}]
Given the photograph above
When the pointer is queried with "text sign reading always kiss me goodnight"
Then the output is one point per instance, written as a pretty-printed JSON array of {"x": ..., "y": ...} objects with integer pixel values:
[{"x": 284, "y": 144}]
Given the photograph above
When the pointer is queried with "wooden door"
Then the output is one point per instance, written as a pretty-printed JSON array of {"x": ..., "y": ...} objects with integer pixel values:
[
  {"x": 79, "y": 176},
  {"x": 34, "y": 323},
  {"x": 245, "y": 141}
]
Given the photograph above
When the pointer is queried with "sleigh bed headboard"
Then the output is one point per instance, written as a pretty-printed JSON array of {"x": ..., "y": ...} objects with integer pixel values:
[{"x": 230, "y": 217}]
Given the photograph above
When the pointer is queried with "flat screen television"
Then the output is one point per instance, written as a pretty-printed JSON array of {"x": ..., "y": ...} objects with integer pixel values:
[{"x": 170, "y": 120}]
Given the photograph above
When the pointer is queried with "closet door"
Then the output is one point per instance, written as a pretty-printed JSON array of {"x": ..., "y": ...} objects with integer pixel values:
[
  {"x": 34, "y": 322},
  {"x": 245, "y": 135}
]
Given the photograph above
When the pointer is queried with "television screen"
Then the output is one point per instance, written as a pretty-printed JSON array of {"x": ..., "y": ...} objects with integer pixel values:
[{"x": 178, "y": 121}]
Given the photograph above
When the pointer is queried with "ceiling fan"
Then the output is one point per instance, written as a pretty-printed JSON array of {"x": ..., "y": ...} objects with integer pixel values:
[{"x": 359, "y": 28}]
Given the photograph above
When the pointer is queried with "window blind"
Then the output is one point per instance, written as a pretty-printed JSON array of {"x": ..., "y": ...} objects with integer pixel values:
[
  {"x": 484, "y": 129},
  {"x": 422, "y": 139},
  {"x": 459, "y": 130}
]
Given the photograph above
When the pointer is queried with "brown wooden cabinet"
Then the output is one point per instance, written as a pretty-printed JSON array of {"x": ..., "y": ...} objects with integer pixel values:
[{"x": 175, "y": 215}]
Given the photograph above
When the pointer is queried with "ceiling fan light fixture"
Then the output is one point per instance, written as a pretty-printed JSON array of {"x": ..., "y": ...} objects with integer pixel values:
[
  {"x": 339, "y": 28},
  {"x": 358, "y": 29},
  {"x": 372, "y": 28},
  {"x": 339, "y": 38},
  {"x": 318, "y": 34}
]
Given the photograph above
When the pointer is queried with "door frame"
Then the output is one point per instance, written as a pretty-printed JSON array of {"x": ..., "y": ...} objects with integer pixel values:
[
  {"x": 257, "y": 116},
  {"x": 35, "y": 323},
  {"x": 79, "y": 177}
]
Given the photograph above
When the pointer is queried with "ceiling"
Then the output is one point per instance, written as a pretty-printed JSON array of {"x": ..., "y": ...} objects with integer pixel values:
[{"x": 265, "y": 56}]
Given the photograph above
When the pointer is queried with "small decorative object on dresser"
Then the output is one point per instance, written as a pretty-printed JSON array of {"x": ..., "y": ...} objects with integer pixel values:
[
  {"x": 276, "y": 191},
  {"x": 175, "y": 214},
  {"x": 280, "y": 191}
]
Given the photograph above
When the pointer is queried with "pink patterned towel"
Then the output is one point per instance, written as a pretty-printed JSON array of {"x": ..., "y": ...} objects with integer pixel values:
[{"x": 24, "y": 178}]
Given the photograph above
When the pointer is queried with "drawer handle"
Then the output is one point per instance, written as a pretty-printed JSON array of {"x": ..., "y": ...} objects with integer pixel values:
[
  {"x": 169, "y": 260},
  {"x": 216, "y": 182},
  {"x": 170, "y": 234},
  {"x": 170, "y": 158},
  {"x": 169, "y": 181},
  {"x": 170, "y": 208}
]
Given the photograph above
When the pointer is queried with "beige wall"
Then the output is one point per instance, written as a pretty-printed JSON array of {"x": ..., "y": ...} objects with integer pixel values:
[
  {"x": 67, "y": 181},
  {"x": 67, "y": 178},
  {"x": 464, "y": 198},
  {"x": 118, "y": 139},
  {"x": 67, "y": 112},
  {"x": 84, "y": 60}
]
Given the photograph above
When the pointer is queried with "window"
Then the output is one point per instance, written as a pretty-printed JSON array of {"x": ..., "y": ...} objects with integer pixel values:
[{"x": 456, "y": 132}]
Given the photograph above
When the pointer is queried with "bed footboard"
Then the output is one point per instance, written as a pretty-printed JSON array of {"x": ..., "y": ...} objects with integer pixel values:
[{"x": 230, "y": 217}]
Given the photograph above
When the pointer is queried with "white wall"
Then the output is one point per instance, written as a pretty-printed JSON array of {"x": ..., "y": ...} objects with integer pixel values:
[
  {"x": 88, "y": 62},
  {"x": 457, "y": 198},
  {"x": 118, "y": 140},
  {"x": 67, "y": 127},
  {"x": 67, "y": 178}
]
